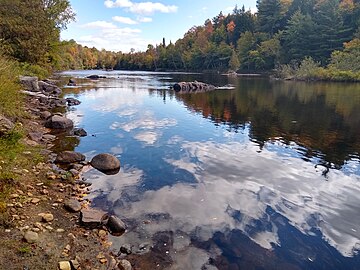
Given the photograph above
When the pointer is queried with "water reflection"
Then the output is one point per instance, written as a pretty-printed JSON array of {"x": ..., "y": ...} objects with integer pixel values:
[{"x": 246, "y": 193}]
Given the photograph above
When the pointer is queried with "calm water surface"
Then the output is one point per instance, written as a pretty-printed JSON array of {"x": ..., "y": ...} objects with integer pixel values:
[{"x": 264, "y": 176}]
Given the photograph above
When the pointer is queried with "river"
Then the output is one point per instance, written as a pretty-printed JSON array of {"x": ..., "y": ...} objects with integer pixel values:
[{"x": 263, "y": 176}]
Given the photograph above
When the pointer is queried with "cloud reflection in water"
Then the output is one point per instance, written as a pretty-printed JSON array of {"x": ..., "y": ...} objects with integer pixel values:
[{"x": 236, "y": 178}]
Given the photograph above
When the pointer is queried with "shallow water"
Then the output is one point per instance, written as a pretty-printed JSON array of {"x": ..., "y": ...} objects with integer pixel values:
[{"x": 265, "y": 176}]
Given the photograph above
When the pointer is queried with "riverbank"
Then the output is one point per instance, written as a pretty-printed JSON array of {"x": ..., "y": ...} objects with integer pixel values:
[{"x": 45, "y": 218}]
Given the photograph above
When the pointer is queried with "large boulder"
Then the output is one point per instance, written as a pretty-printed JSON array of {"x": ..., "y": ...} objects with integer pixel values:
[
  {"x": 106, "y": 163},
  {"x": 59, "y": 122},
  {"x": 5, "y": 125},
  {"x": 30, "y": 83},
  {"x": 67, "y": 157},
  {"x": 49, "y": 89}
]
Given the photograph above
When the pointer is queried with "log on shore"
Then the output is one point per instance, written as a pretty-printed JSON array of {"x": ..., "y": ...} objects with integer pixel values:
[{"x": 193, "y": 87}]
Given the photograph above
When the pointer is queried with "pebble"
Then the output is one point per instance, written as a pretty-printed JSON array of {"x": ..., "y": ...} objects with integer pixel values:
[
  {"x": 72, "y": 205},
  {"x": 31, "y": 237},
  {"x": 64, "y": 265},
  {"x": 47, "y": 217},
  {"x": 14, "y": 196},
  {"x": 60, "y": 230},
  {"x": 35, "y": 200},
  {"x": 102, "y": 233},
  {"x": 8, "y": 231}
]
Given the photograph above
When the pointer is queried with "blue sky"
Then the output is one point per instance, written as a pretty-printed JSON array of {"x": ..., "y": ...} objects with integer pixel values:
[{"x": 119, "y": 25}]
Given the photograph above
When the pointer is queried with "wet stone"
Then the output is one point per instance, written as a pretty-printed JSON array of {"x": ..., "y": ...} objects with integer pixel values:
[
  {"x": 126, "y": 249},
  {"x": 124, "y": 265}
]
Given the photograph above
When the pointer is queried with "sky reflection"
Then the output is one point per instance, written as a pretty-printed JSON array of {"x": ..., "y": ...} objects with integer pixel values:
[{"x": 214, "y": 190}]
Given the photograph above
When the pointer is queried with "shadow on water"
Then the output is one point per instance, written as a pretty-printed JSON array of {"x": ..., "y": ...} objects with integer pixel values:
[{"x": 323, "y": 118}]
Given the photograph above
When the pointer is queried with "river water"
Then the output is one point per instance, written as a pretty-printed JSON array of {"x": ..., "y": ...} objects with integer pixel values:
[{"x": 263, "y": 176}]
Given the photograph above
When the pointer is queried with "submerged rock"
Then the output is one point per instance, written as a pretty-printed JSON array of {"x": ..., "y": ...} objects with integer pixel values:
[
  {"x": 106, "y": 163},
  {"x": 67, "y": 157},
  {"x": 59, "y": 122},
  {"x": 95, "y": 77},
  {"x": 124, "y": 265}
]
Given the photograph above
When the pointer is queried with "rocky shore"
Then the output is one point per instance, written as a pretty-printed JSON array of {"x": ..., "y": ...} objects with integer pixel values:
[{"x": 51, "y": 224}]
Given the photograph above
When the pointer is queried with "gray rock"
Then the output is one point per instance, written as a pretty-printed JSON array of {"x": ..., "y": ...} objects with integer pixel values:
[
  {"x": 5, "y": 125},
  {"x": 72, "y": 205},
  {"x": 48, "y": 88},
  {"x": 80, "y": 132},
  {"x": 31, "y": 237},
  {"x": 126, "y": 249},
  {"x": 124, "y": 265},
  {"x": 35, "y": 136},
  {"x": 67, "y": 157},
  {"x": 45, "y": 115},
  {"x": 92, "y": 218},
  {"x": 115, "y": 225},
  {"x": 106, "y": 163},
  {"x": 59, "y": 122},
  {"x": 73, "y": 102},
  {"x": 30, "y": 83}
]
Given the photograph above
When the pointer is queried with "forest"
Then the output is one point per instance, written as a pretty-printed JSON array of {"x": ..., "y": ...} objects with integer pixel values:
[{"x": 294, "y": 39}]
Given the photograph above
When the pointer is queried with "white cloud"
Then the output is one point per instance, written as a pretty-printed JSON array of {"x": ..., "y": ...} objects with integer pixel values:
[
  {"x": 124, "y": 20},
  {"x": 142, "y": 7},
  {"x": 99, "y": 24},
  {"x": 118, "y": 3},
  {"x": 150, "y": 7},
  {"x": 145, "y": 19},
  {"x": 113, "y": 38}
]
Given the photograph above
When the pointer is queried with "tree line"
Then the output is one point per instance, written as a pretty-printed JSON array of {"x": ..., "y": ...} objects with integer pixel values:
[{"x": 291, "y": 36}]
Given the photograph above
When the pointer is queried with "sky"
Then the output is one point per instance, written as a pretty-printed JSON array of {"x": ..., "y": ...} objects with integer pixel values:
[{"x": 122, "y": 25}]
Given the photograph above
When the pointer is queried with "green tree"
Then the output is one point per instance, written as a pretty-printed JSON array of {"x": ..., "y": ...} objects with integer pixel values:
[
  {"x": 297, "y": 36},
  {"x": 269, "y": 15},
  {"x": 29, "y": 30}
]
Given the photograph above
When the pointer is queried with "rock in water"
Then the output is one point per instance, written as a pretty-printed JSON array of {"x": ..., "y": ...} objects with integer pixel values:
[
  {"x": 80, "y": 132},
  {"x": 72, "y": 101},
  {"x": 106, "y": 163},
  {"x": 48, "y": 88},
  {"x": 67, "y": 157},
  {"x": 115, "y": 225},
  {"x": 124, "y": 265},
  {"x": 5, "y": 125},
  {"x": 30, "y": 83},
  {"x": 59, "y": 122},
  {"x": 193, "y": 87}
]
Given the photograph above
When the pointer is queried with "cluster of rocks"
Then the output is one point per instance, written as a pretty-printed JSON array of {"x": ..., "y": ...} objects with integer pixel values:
[
  {"x": 44, "y": 97},
  {"x": 192, "y": 87}
]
